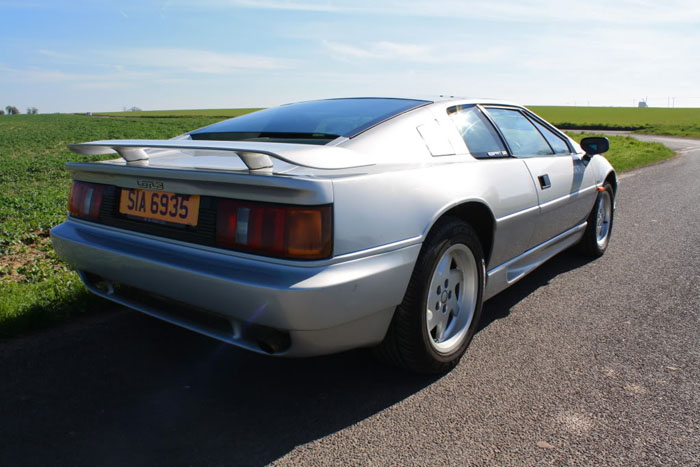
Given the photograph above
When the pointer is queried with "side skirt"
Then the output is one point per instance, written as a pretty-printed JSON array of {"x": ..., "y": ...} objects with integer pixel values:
[{"x": 503, "y": 276}]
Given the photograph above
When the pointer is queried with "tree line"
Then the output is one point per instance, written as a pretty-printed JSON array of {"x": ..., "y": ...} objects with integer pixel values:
[{"x": 12, "y": 110}]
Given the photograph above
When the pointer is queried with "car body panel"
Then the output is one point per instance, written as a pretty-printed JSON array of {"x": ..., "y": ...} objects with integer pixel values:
[
  {"x": 205, "y": 181},
  {"x": 568, "y": 199},
  {"x": 189, "y": 153},
  {"x": 406, "y": 204},
  {"x": 243, "y": 290},
  {"x": 504, "y": 275}
]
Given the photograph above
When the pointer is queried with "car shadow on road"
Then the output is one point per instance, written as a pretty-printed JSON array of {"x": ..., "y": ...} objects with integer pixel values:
[
  {"x": 500, "y": 306},
  {"x": 131, "y": 390}
]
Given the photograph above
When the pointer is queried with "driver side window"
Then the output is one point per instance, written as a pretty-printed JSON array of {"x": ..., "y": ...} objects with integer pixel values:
[{"x": 520, "y": 134}]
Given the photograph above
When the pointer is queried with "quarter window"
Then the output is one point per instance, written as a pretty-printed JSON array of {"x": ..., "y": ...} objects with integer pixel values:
[
  {"x": 522, "y": 137},
  {"x": 554, "y": 140},
  {"x": 479, "y": 135}
]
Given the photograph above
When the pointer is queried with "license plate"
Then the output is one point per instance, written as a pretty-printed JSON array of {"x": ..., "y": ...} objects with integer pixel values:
[{"x": 160, "y": 206}]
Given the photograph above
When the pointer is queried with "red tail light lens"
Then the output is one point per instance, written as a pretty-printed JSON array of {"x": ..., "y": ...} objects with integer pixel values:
[
  {"x": 85, "y": 200},
  {"x": 294, "y": 232}
]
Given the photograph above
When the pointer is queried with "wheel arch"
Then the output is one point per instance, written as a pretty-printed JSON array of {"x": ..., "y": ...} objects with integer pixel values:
[
  {"x": 611, "y": 178},
  {"x": 478, "y": 215}
]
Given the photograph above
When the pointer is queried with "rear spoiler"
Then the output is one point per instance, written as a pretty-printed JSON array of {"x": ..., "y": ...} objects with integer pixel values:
[{"x": 257, "y": 156}]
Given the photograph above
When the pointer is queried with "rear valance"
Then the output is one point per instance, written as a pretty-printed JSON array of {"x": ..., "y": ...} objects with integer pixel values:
[{"x": 257, "y": 156}]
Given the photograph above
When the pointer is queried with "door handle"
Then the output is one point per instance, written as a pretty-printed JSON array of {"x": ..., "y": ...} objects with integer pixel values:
[{"x": 544, "y": 181}]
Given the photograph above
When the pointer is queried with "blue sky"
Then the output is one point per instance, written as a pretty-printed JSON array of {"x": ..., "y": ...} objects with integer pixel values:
[{"x": 71, "y": 56}]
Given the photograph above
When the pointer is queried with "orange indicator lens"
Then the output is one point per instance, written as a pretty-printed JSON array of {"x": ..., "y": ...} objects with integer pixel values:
[{"x": 281, "y": 231}]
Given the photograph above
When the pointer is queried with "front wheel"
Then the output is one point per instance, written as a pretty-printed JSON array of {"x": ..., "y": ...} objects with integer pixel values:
[
  {"x": 436, "y": 320},
  {"x": 600, "y": 222}
]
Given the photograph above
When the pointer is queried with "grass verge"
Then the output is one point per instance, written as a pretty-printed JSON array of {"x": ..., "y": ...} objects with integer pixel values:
[
  {"x": 627, "y": 153},
  {"x": 29, "y": 306}
]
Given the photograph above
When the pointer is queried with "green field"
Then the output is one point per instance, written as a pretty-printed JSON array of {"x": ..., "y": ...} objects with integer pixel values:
[
  {"x": 36, "y": 288},
  {"x": 223, "y": 113},
  {"x": 659, "y": 121}
]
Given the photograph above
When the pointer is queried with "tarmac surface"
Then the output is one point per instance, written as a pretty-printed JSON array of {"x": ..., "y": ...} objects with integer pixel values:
[{"x": 582, "y": 362}]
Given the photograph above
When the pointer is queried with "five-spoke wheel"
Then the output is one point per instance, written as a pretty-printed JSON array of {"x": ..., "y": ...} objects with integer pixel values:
[
  {"x": 434, "y": 324},
  {"x": 600, "y": 222},
  {"x": 452, "y": 297}
]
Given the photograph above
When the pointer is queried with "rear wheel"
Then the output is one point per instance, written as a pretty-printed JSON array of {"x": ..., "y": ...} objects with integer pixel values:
[
  {"x": 600, "y": 222},
  {"x": 436, "y": 320}
]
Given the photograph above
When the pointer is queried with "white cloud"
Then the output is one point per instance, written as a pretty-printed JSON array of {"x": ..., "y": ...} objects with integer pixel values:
[
  {"x": 196, "y": 60},
  {"x": 404, "y": 50},
  {"x": 150, "y": 76},
  {"x": 20, "y": 4},
  {"x": 44, "y": 75},
  {"x": 57, "y": 56},
  {"x": 325, "y": 6},
  {"x": 433, "y": 53},
  {"x": 592, "y": 11},
  {"x": 102, "y": 84},
  {"x": 382, "y": 50},
  {"x": 126, "y": 67}
]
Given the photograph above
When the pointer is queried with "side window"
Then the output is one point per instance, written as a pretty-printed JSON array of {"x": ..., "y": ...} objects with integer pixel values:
[
  {"x": 554, "y": 140},
  {"x": 481, "y": 138},
  {"x": 522, "y": 137}
]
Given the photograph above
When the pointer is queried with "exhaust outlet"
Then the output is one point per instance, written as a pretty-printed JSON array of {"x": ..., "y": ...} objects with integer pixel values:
[{"x": 272, "y": 341}]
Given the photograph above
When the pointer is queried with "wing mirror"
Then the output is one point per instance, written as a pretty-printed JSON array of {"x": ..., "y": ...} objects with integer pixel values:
[{"x": 595, "y": 145}]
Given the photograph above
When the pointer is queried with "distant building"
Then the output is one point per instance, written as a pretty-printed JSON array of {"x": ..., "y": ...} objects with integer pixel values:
[{"x": 642, "y": 104}]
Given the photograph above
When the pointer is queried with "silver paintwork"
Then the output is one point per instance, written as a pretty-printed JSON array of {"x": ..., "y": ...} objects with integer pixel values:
[
  {"x": 212, "y": 182},
  {"x": 501, "y": 277},
  {"x": 308, "y": 300},
  {"x": 388, "y": 187},
  {"x": 254, "y": 155}
]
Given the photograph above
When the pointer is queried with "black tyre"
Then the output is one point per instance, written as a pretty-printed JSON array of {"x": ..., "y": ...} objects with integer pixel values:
[
  {"x": 436, "y": 320},
  {"x": 600, "y": 222}
]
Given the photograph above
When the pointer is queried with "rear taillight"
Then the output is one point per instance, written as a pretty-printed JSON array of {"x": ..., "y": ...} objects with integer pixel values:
[
  {"x": 294, "y": 232},
  {"x": 85, "y": 200}
]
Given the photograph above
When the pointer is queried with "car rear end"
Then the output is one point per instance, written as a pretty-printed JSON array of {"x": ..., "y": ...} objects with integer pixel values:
[
  {"x": 229, "y": 230},
  {"x": 244, "y": 257}
]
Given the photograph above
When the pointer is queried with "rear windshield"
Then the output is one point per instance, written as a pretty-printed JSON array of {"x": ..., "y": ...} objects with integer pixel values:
[{"x": 314, "y": 122}]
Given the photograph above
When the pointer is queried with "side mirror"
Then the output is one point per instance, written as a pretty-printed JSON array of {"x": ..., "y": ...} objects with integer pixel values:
[{"x": 595, "y": 145}]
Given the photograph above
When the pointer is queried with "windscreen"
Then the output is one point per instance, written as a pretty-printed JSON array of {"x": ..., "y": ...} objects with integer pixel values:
[{"x": 313, "y": 122}]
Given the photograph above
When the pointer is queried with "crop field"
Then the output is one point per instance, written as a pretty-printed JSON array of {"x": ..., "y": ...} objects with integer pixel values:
[
  {"x": 658, "y": 121},
  {"x": 39, "y": 290},
  {"x": 223, "y": 113},
  {"x": 36, "y": 288}
]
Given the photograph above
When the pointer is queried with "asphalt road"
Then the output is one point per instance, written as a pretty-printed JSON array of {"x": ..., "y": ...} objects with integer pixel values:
[{"x": 582, "y": 362}]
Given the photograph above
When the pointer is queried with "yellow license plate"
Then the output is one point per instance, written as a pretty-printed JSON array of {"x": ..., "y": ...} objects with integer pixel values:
[{"x": 160, "y": 205}]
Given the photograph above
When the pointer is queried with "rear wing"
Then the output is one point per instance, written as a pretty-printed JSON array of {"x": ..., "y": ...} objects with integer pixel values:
[{"x": 257, "y": 156}]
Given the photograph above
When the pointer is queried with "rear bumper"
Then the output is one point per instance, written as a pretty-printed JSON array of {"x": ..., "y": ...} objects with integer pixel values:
[{"x": 314, "y": 309}]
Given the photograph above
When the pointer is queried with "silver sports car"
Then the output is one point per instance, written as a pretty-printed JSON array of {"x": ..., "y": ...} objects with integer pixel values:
[{"x": 320, "y": 226}]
